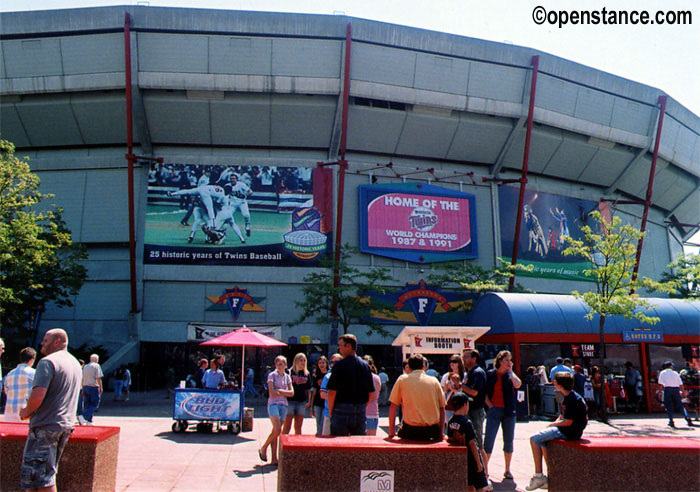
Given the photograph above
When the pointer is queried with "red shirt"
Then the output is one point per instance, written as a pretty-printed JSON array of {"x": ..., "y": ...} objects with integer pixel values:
[{"x": 497, "y": 397}]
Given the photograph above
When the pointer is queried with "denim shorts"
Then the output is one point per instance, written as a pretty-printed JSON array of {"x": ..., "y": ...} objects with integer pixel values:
[
  {"x": 277, "y": 410},
  {"x": 42, "y": 453},
  {"x": 372, "y": 423},
  {"x": 296, "y": 408},
  {"x": 549, "y": 434}
]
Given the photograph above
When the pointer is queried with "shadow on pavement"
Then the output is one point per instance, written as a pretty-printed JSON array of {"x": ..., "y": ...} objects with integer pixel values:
[
  {"x": 257, "y": 470},
  {"x": 194, "y": 437}
]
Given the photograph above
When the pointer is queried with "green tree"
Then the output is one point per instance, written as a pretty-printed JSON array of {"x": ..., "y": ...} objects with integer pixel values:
[
  {"x": 684, "y": 273},
  {"x": 476, "y": 279},
  {"x": 611, "y": 250},
  {"x": 354, "y": 304},
  {"x": 39, "y": 263}
]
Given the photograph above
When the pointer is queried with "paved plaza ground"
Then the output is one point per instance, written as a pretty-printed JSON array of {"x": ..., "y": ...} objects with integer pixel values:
[{"x": 153, "y": 458}]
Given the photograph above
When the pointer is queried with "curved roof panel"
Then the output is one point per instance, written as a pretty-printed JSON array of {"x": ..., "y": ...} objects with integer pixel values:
[{"x": 540, "y": 313}]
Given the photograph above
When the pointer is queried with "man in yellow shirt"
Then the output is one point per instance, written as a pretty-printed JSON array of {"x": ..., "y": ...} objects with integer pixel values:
[{"x": 422, "y": 404}]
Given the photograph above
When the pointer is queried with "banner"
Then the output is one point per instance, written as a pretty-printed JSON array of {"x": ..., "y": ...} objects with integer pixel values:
[
  {"x": 201, "y": 404},
  {"x": 417, "y": 222},
  {"x": 237, "y": 215},
  {"x": 422, "y": 304},
  {"x": 547, "y": 220},
  {"x": 200, "y": 332},
  {"x": 235, "y": 300}
]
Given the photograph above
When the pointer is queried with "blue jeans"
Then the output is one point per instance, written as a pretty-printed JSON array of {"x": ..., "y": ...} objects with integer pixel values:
[
  {"x": 495, "y": 418},
  {"x": 118, "y": 385},
  {"x": 672, "y": 400},
  {"x": 250, "y": 389},
  {"x": 318, "y": 415},
  {"x": 91, "y": 397},
  {"x": 549, "y": 434},
  {"x": 348, "y": 420}
]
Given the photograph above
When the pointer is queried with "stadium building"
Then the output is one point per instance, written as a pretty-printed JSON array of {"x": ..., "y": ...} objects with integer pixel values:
[{"x": 424, "y": 136}]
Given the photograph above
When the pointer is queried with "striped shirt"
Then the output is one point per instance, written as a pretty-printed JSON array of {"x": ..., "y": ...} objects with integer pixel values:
[{"x": 18, "y": 385}]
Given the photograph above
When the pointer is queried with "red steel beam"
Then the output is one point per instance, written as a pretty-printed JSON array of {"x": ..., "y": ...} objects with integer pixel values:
[
  {"x": 650, "y": 186},
  {"x": 130, "y": 161},
  {"x": 526, "y": 158},
  {"x": 343, "y": 166}
]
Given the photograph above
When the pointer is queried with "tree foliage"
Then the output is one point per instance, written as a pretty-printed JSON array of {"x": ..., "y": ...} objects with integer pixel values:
[
  {"x": 476, "y": 279},
  {"x": 39, "y": 263},
  {"x": 611, "y": 250},
  {"x": 684, "y": 273},
  {"x": 353, "y": 302}
]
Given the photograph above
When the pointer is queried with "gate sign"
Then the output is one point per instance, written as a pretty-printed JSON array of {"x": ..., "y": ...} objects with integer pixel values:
[
  {"x": 199, "y": 404},
  {"x": 642, "y": 336},
  {"x": 417, "y": 222},
  {"x": 376, "y": 480}
]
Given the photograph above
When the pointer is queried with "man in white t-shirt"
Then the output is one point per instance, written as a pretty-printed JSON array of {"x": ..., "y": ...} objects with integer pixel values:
[
  {"x": 92, "y": 388},
  {"x": 672, "y": 384}
]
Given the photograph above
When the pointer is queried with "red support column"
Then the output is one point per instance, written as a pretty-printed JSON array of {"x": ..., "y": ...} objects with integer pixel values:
[
  {"x": 526, "y": 158},
  {"x": 343, "y": 166},
  {"x": 650, "y": 186},
  {"x": 130, "y": 162},
  {"x": 645, "y": 373}
]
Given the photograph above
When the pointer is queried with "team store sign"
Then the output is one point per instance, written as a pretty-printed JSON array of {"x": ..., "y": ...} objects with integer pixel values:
[{"x": 424, "y": 225}]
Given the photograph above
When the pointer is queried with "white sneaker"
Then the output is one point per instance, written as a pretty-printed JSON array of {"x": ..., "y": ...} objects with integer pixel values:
[
  {"x": 489, "y": 486},
  {"x": 537, "y": 482},
  {"x": 81, "y": 420}
]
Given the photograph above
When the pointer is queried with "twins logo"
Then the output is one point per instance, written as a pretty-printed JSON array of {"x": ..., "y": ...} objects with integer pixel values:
[{"x": 423, "y": 219}]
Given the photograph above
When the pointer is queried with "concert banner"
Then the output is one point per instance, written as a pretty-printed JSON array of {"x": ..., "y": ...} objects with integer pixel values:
[
  {"x": 238, "y": 215},
  {"x": 547, "y": 220},
  {"x": 417, "y": 222}
]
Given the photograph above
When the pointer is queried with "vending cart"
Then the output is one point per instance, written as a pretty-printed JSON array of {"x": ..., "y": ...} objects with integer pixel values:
[{"x": 219, "y": 409}]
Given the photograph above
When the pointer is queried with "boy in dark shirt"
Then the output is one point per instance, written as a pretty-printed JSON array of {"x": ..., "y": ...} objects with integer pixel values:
[
  {"x": 461, "y": 433},
  {"x": 568, "y": 426}
]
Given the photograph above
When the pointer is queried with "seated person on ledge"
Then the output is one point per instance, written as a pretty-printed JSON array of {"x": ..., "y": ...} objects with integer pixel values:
[
  {"x": 422, "y": 402},
  {"x": 568, "y": 426},
  {"x": 460, "y": 432}
]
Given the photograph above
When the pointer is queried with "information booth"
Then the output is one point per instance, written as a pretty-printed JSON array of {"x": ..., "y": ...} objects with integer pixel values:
[{"x": 437, "y": 339}]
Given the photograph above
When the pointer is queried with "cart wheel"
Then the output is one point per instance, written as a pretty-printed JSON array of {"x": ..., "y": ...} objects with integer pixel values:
[
  {"x": 179, "y": 426},
  {"x": 234, "y": 427}
]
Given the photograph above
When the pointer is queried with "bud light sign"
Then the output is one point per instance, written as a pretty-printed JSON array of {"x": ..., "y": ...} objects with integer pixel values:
[
  {"x": 195, "y": 404},
  {"x": 417, "y": 222}
]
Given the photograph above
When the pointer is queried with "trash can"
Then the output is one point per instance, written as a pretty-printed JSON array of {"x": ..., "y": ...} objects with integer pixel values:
[
  {"x": 549, "y": 402},
  {"x": 247, "y": 423}
]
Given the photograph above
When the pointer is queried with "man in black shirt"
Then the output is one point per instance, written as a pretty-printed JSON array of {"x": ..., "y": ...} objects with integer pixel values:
[
  {"x": 349, "y": 389},
  {"x": 568, "y": 426},
  {"x": 474, "y": 385}
]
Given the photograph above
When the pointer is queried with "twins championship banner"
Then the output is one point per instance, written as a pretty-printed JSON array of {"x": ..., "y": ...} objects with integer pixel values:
[
  {"x": 417, "y": 222},
  {"x": 238, "y": 215}
]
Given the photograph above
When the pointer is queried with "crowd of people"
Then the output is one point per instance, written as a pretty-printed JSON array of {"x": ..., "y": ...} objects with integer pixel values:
[{"x": 468, "y": 405}]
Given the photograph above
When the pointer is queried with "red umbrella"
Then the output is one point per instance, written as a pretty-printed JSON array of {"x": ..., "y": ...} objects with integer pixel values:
[{"x": 244, "y": 337}]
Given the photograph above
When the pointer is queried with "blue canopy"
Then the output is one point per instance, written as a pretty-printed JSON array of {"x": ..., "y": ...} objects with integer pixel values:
[{"x": 562, "y": 314}]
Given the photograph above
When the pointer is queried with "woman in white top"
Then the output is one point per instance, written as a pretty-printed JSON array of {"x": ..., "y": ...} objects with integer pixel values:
[
  {"x": 449, "y": 386},
  {"x": 279, "y": 386}
]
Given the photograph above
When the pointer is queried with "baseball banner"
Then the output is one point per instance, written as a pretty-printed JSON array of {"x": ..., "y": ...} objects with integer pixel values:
[{"x": 237, "y": 215}]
